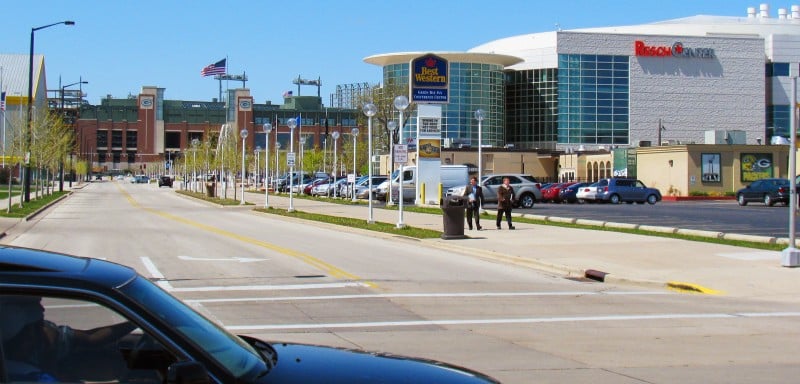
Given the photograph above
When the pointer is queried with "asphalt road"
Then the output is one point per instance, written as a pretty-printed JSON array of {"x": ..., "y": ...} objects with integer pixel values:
[
  {"x": 713, "y": 215},
  {"x": 281, "y": 279}
]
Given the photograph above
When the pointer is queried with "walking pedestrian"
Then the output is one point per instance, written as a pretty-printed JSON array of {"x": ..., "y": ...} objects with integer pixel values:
[
  {"x": 474, "y": 194},
  {"x": 505, "y": 201}
]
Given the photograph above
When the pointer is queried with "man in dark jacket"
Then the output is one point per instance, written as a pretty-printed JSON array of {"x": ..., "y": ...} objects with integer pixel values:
[
  {"x": 474, "y": 194},
  {"x": 505, "y": 201}
]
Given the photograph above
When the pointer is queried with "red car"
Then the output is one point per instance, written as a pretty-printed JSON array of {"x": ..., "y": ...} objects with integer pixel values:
[
  {"x": 307, "y": 189},
  {"x": 552, "y": 192}
]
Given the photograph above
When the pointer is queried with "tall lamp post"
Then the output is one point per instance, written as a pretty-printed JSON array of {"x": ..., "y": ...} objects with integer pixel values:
[
  {"x": 267, "y": 130},
  {"x": 257, "y": 166},
  {"x": 369, "y": 110},
  {"x": 335, "y": 136},
  {"x": 61, "y": 164},
  {"x": 27, "y": 185},
  {"x": 354, "y": 131},
  {"x": 292, "y": 125},
  {"x": 277, "y": 161},
  {"x": 790, "y": 257},
  {"x": 243, "y": 134},
  {"x": 392, "y": 125},
  {"x": 401, "y": 103},
  {"x": 480, "y": 115},
  {"x": 195, "y": 143}
]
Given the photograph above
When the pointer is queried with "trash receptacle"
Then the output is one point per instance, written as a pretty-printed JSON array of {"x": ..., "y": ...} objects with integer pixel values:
[
  {"x": 453, "y": 217},
  {"x": 210, "y": 189}
]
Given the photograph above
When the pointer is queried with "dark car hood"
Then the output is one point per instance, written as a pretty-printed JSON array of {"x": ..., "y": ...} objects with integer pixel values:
[{"x": 299, "y": 363}]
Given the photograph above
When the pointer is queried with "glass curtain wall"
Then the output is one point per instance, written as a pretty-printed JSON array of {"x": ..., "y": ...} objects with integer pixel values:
[{"x": 593, "y": 99}]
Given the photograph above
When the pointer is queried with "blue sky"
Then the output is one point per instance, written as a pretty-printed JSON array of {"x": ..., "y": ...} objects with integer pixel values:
[{"x": 120, "y": 46}]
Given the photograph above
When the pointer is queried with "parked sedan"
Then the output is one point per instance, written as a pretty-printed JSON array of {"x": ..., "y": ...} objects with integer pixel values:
[
  {"x": 569, "y": 193},
  {"x": 767, "y": 191},
  {"x": 586, "y": 194},
  {"x": 526, "y": 189},
  {"x": 116, "y": 326}
]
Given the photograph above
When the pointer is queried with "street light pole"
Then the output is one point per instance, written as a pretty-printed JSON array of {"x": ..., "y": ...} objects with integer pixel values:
[
  {"x": 480, "y": 115},
  {"x": 195, "y": 143},
  {"x": 267, "y": 130},
  {"x": 243, "y": 134},
  {"x": 292, "y": 125},
  {"x": 401, "y": 103},
  {"x": 61, "y": 162},
  {"x": 790, "y": 257},
  {"x": 26, "y": 188},
  {"x": 335, "y": 136},
  {"x": 354, "y": 131},
  {"x": 392, "y": 125},
  {"x": 369, "y": 110}
]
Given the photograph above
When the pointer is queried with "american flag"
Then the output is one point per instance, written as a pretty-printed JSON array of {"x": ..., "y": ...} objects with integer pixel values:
[{"x": 217, "y": 68}]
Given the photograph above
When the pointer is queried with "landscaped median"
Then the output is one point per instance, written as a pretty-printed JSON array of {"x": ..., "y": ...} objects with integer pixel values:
[{"x": 738, "y": 240}]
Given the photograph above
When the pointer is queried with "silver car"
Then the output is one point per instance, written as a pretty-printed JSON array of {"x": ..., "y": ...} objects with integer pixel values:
[{"x": 526, "y": 189}]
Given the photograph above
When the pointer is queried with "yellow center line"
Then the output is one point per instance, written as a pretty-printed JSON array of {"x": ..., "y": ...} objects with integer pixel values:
[{"x": 306, "y": 258}]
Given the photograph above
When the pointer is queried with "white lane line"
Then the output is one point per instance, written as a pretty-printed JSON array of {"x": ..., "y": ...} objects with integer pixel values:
[
  {"x": 270, "y": 287},
  {"x": 155, "y": 273},
  {"x": 421, "y": 295},
  {"x": 534, "y": 320}
]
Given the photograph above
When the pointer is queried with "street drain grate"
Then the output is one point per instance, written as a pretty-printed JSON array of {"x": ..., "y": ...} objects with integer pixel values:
[
  {"x": 309, "y": 276},
  {"x": 581, "y": 279}
]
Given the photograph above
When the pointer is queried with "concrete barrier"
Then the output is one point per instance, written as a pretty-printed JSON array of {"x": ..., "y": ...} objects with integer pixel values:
[
  {"x": 657, "y": 229},
  {"x": 751, "y": 238},
  {"x": 611, "y": 224},
  {"x": 594, "y": 223},
  {"x": 700, "y": 233},
  {"x": 566, "y": 220}
]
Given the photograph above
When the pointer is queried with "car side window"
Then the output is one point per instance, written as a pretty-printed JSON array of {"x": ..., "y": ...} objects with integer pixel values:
[
  {"x": 493, "y": 181},
  {"x": 51, "y": 339},
  {"x": 639, "y": 184},
  {"x": 514, "y": 180}
]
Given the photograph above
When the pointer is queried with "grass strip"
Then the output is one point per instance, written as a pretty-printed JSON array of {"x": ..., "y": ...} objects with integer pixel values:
[{"x": 31, "y": 206}]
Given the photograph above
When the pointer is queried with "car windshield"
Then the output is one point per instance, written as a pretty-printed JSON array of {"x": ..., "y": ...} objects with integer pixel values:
[{"x": 231, "y": 352}]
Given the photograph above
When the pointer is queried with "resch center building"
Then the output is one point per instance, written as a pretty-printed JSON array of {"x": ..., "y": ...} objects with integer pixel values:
[{"x": 699, "y": 93}]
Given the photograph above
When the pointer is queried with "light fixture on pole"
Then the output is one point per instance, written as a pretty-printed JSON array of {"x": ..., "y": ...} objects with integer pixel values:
[
  {"x": 369, "y": 110},
  {"x": 267, "y": 130},
  {"x": 243, "y": 134},
  {"x": 480, "y": 115},
  {"x": 401, "y": 103},
  {"x": 26, "y": 188},
  {"x": 354, "y": 131},
  {"x": 302, "y": 141},
  {"x": 290, "y": 159},
  {"x": 790, "y": 257},
  {"x": 257, "y": 166},
  {"x": 277, "y": 161},
  {"x": 335, "y": 136},
  {"x": 195, "y": 143},
  {"x": 63, "y": 115},
  {"x": 392, "y": 125}
]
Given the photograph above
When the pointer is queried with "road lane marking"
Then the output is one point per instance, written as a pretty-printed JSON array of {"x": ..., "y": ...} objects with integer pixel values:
[
  {"x": 236, "y": 259},
  {"x": 531, "y": 320},
  {"x": 329, "y": 269},
  {"x": 155, "y": 273},
  {"x": 415, "y": 295},
  {"x": 287, "y": 287}
]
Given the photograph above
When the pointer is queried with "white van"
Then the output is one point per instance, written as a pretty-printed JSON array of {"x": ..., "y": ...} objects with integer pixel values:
[{"x": 450, "y": 176}]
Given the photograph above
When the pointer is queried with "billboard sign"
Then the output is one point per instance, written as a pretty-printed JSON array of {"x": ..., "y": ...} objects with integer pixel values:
[{"x": 429, "y": 80}]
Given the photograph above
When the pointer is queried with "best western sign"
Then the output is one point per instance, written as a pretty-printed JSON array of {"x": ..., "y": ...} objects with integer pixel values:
[
  {"x": 676, "y": 50},
  {"x": 430, "y": 81}
]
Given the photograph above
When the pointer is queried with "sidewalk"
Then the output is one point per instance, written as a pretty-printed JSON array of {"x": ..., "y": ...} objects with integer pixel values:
[{"x": 612, "y": 256}]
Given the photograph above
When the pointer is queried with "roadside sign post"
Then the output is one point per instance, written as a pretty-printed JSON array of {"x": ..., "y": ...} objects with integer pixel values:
[{"x": 400, "y": 157}]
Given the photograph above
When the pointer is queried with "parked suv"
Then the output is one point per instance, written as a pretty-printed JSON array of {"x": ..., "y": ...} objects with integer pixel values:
[
  {"x": 616, "y": 190},
  {"x": 526, "y": 189}
]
